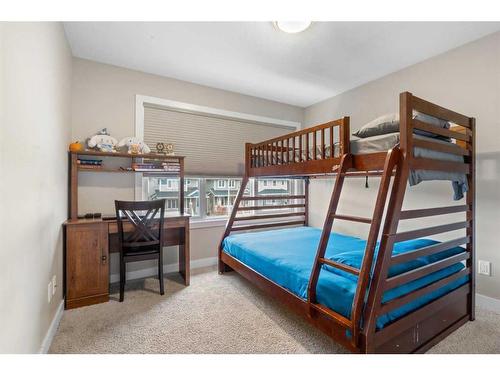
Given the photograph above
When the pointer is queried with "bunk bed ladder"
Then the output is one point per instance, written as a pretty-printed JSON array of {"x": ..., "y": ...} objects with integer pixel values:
[
  {"x": 392, "y": 161},
  {"x": 345, "y": 164}
]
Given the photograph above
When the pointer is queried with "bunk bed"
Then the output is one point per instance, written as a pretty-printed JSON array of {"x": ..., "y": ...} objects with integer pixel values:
[{"x": 396, "y": 291}]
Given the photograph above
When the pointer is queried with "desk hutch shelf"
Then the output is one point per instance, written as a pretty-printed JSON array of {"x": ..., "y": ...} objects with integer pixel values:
[{"x": 75, "y": 169}]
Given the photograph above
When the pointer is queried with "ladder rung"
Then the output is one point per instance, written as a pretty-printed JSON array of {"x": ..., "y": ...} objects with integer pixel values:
[
  {"x": 353, "y": 218},
  {"x": 343, "y": 267},
  {"x": 342, "y": 320}
]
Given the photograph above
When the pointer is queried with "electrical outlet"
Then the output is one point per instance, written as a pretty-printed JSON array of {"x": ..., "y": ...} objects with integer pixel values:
[
  {"x": 49, "y": 292},
  {"x": 484, "y": 267},
  {"x": 54, "y": 284}
]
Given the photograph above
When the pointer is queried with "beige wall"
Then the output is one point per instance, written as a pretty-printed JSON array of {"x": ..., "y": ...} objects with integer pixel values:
[
  {"x": 466, "y": 79},
  {"x": 35, "y": 125},
  {"x": 104, "y": 96}
]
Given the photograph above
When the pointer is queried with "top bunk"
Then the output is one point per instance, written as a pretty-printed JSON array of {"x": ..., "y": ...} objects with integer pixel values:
[{"x": 430, "y": 137}]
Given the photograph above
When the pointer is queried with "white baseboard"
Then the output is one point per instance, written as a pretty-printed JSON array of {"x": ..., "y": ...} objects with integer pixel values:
[
  {"x": 51, "y": 332},
  {"x": 488, "y": 303},
  {"x": 167, "y": 268}
]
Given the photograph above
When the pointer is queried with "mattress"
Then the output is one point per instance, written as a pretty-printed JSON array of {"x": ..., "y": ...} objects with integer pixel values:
[
  {"x": 286, "y": 257},
  {"x": 384, "y": 142},
  {"x": 378, "y": 143}
]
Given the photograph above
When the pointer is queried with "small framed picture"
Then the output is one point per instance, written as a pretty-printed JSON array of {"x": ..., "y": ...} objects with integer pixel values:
[{"x": 169, "y": 149}]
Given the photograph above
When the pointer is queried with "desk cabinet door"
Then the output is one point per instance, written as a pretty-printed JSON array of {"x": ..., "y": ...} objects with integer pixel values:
[{"x": 87, "y": 260}]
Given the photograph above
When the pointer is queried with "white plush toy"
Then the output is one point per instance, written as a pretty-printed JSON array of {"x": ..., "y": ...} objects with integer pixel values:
[
  {"x": 102, "y": 142},
  {"x": 134, "y": 145}
]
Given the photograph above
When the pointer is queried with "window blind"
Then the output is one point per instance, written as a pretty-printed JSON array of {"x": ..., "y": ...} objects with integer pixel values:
[{"x": 212, "y": 145}]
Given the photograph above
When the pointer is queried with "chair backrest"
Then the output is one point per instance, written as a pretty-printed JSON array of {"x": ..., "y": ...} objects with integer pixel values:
[{"x": 146, "y": 218}]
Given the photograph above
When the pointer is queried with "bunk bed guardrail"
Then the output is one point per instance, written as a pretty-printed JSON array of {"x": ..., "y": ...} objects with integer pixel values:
[{"x": 316, "y": 148}]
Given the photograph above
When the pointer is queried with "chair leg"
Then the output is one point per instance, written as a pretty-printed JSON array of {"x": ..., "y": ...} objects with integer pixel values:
[
  {"x": 122, "y": 278},
  {"x": 160, "y": 272}
]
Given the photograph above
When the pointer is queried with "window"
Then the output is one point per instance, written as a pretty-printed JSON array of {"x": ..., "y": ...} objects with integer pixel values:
[
  {"x": 168, "y": 188},
  {"x": 213, "y": 197},
  {"x": 219, "y": 202},
  {"x": 276, "y": 187},
  {"x": 171, "y": 204}
]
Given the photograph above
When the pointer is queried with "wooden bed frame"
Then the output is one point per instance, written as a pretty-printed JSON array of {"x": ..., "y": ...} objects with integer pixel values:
[{"x": 289, "y": 155}]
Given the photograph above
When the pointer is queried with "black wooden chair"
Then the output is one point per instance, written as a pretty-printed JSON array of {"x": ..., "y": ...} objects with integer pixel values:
[{"x": 143, "y": 238}]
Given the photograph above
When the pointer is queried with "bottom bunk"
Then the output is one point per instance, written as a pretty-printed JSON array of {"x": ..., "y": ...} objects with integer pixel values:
[{"x": 285, "y": 258}]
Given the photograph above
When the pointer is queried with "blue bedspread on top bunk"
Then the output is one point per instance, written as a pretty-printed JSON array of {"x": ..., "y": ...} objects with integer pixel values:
[{"x": 286, "y": 256}]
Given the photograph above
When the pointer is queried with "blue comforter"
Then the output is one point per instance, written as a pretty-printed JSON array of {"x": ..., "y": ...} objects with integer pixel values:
[{"x": 286, "y": 256}]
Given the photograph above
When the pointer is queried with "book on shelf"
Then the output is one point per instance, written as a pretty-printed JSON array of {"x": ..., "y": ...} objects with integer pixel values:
[
  {"x": 89, "y": 162},
  {"x": 150, "y": 170},
  {"x": 89, "y": 166},
  {"x": 155, "y": 167}
]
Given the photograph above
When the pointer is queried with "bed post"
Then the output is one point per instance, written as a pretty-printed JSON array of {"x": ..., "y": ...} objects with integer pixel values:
[
  {"x": 406, "y": 125},
  {"x": 306, "y": 201},
  {"x": 471, "y": 215},
  {"x": 345, "y": 135},
  {"x": 391, "y": 221}
]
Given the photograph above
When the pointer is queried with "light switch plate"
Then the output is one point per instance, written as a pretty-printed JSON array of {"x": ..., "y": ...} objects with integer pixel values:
[
  {"x": 49, "y": 292},
  {"x": 484, "y": 267}
]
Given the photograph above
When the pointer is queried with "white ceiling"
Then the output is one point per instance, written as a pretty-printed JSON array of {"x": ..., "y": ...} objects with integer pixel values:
[{"x": 254, "y": 58}]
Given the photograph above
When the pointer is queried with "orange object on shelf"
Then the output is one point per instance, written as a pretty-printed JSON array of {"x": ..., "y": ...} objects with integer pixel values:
[{"x": 75, "y": 147}]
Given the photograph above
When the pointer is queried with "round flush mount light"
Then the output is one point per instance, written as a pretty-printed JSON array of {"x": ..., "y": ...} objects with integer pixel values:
[{"x": 292, "y": 27}]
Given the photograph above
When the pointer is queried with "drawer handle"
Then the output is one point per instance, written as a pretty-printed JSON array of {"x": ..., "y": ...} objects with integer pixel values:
[{"x": 103, "y": 259}]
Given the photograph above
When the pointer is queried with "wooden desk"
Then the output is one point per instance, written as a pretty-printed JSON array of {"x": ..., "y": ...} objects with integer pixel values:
[{"x": 88, "y": 243}]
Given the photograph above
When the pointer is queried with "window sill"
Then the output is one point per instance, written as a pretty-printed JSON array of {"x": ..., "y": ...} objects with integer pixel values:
[{"x": 208, "y": 223}]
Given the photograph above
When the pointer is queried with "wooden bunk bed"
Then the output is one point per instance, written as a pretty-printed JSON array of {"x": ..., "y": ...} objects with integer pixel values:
[{"x": 325, "y": 150}]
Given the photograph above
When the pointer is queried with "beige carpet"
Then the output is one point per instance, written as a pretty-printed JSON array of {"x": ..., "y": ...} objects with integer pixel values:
[{"x": 219, "y": 314}]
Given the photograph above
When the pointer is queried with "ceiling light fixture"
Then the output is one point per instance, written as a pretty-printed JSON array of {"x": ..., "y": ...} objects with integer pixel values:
[{"x": 292, "y": 27}]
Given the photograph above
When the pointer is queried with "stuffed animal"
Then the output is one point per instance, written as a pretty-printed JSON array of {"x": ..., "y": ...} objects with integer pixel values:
[
  {"x": 102, "y": 141},
  {"x": 134, "y": 145}
]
